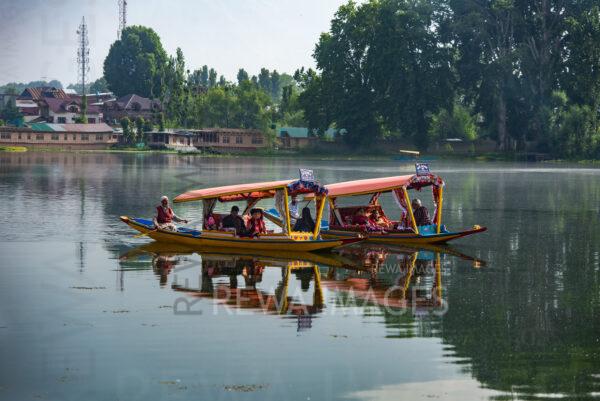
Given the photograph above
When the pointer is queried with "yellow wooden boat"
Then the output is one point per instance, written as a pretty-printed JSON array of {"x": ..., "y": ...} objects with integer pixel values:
[
  {"x": 252, "y": 194},
  {"x": 402, "y": 231}
]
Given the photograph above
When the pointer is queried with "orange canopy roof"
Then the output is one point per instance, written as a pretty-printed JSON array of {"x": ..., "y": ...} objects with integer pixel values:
[
  {"x": 256, "y": 190},
  {"x": 383, "y": 184}
]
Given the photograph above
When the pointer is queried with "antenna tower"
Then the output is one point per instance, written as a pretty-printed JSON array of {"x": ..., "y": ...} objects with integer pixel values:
[
  {"x": 122, "y": 17},
  {"x": 83, "y": 54}
]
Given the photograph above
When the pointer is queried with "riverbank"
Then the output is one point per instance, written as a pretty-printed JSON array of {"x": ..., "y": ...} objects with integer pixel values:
[{"x": 315, "y": 155}]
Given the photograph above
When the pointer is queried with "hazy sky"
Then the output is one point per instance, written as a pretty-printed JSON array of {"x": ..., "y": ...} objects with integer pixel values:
[{"x": 38, "y": 37}]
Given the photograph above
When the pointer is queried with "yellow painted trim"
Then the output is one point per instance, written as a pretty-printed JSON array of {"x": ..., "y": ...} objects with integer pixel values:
[
  {"x": 410, "y": 211},
  {"x": 319, "y": 216},
  {"x": 288, "y": 223},
  {"x": 439, "y": 210}
]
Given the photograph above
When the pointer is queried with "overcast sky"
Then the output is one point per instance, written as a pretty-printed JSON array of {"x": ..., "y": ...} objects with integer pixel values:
[{"x": 38, "y": 37}]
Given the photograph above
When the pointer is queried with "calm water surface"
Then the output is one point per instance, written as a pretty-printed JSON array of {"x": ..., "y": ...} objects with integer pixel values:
[{"x": 88, "y": 312}]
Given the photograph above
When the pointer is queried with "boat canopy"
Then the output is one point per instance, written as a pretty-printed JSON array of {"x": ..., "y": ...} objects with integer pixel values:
[
  {"x": 384, "y": 184},
  {"x": 253, "y": 191}
]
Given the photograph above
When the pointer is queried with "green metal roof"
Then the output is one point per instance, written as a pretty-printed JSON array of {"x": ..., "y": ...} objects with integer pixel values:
[
  {"x": 40, "y": 127},
  {"x": 303, "y": 132}
]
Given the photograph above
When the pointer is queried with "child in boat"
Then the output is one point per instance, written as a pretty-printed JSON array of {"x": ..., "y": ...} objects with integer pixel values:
[
  {"x": 362, "y": 219},
  {"x": 256, "y": 224},
  {"x": 166, "y": 218},
  {"x": 211, "y": 224},
  {"x": 305, "y": 223},
  {"x": 378, "y": 220}
]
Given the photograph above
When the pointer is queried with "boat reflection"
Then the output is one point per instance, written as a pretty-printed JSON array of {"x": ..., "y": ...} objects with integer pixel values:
[{"x": 394, "y": 278}]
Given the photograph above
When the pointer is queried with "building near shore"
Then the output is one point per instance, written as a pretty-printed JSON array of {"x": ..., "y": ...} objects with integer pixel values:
[
  {"x": 294, "y": 138},
  {"x": 130, "y": 106},
  {"x": 215, "y": 139},
  {"x": 60, "y": 136}
]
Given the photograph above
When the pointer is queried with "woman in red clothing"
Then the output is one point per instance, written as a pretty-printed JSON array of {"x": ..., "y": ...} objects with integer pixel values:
[
  {"x": 256, "y": 224},
  {"x": 165, "y": 218}
]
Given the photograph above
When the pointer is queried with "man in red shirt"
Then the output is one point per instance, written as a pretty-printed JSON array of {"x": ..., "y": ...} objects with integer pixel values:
[{"x": 166, "y": 218}]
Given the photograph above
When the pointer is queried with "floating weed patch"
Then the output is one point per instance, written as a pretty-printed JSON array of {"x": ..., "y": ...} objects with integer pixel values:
[
  {"x": 245, "y": 388},
  {"x": 88, "y": 288}
]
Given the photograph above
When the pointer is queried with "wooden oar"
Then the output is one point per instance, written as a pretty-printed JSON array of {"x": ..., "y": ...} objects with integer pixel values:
[{"x": 144, "y": 234}]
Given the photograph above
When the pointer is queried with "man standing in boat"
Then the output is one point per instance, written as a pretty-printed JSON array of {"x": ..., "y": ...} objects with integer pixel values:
[{"x": 166, "y": 218}]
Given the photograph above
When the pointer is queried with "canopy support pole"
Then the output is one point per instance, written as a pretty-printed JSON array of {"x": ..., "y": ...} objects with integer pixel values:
[
  {"x": 439, "y": 209},
  {"x": 321, "y": 207},
  {"x": 288, "y": 224},
  {"x": 410, "y": 211}
]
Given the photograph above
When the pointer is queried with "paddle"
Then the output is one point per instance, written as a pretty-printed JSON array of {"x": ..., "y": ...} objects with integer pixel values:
[
  {"x": 144, "y": 234},
  {"x": 154, "y": 230}
]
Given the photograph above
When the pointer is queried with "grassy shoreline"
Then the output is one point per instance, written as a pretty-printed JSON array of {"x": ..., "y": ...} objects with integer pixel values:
[{"x": 306, "y": 154}]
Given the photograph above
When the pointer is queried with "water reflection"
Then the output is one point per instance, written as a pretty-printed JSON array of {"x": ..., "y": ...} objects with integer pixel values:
[{"x": 397, "y": 280}]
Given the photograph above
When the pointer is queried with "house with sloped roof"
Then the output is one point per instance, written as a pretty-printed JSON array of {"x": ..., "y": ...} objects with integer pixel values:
[
  {"x": 301, "y": 137},
  {"x": 42, "y": 92},
  {"x": 66, "y": 111},
  {"x": 131, "y": 106}
]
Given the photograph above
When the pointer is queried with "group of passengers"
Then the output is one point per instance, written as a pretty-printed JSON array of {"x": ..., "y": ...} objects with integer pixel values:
[
  {"x": 375, "y": 221},
  {"x": 255, "y": 226},
  {"x": 234, "y": 222}
]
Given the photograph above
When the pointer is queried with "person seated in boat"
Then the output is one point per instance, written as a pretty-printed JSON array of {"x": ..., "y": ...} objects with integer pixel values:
[
  {"x": 421, "y": 213},
  {"x": 360, "y": 217},
  {"x": 377, "y": 220},
  {"x": 294, "y": 215},
  {"x": 211, "y": 224},
  {"x": 305, "y": 223},
  {"x": 234, "y": 221},
  {"x": 256, "y": 224},
  {"x": 166, "y": 218}
]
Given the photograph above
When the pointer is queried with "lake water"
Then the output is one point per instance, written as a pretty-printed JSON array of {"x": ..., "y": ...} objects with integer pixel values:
[{"x": 89, "y": 312}]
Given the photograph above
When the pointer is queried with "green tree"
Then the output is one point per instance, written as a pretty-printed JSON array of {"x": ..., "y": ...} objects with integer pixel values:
[
  {"x": 212, "y": 78},
  {"x": 135, "y": 63},
  {"x": 10, "y": 113},
  {"x": 275, "y": 91},
  {"x": 242, "y": 76},
  {"x": 264, "y": 80},
  {"x": 128, "y": 134},
  {"x": 459, "y": 122},
  {"x": 384, "y": 69},
  {"x": 252, "y": 107},
  {"x": 139, "y": 128}
]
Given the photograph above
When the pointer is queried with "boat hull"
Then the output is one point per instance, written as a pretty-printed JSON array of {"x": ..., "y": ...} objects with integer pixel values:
[
  {"x": 403, "y": 238},
  {"x": 196, "y": 239}
]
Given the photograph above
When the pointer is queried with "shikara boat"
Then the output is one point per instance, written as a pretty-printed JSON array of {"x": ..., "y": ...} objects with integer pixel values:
[
  {"x": 403, "y": 230},
  {"x": 251, "y": 194}
]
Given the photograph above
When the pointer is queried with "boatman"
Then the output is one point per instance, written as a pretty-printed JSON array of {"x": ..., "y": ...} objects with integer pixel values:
[
  {"x": 166, "y": 218},
  {"x": 421, "y": 213}
]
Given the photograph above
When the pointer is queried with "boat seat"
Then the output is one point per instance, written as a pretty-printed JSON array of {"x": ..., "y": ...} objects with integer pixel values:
[
  {"x": 347, "y": 214},
  {"x": 218, "y": 218}
]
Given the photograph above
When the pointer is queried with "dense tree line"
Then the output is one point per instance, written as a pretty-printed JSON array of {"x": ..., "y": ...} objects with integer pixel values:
[
  {"x": 137, "y": 63},
  {"x": 522, "y": 72}
]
